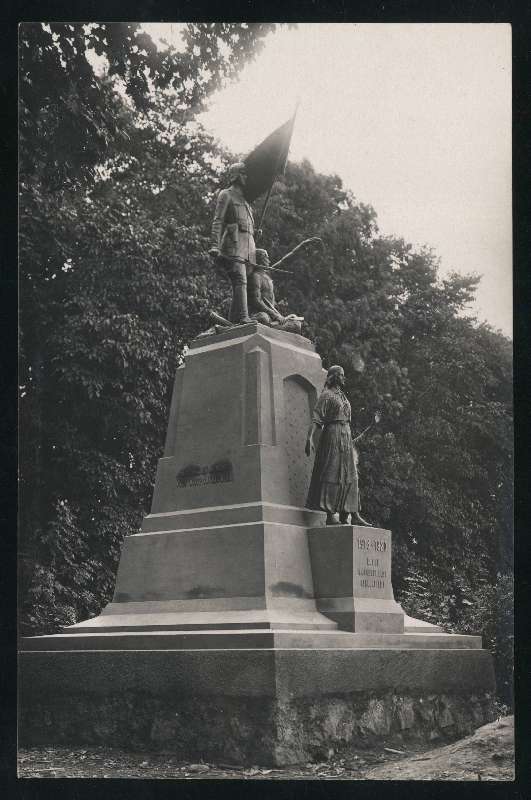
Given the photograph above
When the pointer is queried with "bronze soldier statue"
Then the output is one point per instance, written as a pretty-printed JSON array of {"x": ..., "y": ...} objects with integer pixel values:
[{"x": 232, "y": 241}]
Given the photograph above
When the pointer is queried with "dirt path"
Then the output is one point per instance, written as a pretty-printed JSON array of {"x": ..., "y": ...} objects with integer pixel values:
[{"x": 486, "y": 755}]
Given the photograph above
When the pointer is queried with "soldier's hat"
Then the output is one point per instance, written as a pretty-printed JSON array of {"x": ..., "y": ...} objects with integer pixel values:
[{"x": 235, "y": 170}]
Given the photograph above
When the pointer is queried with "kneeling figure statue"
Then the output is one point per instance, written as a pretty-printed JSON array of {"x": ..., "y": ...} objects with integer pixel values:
[{"x": 261, "y": 297}]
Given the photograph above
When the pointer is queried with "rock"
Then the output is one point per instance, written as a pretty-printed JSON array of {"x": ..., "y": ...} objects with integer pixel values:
[
  {"x": 445, "y": 718},
  {"x": 375, "y": 720},
  {"x": 426, "y": 712},
  {"x": 405, "y": 713},
  {"x": 499, "y": 756}
]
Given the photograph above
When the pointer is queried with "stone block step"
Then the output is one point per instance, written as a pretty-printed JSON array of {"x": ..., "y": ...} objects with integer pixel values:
[{"x": 248, "y": 639}]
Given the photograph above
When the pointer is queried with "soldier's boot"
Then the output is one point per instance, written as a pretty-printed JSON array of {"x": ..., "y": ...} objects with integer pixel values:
[{"x": 240, "y": 313}]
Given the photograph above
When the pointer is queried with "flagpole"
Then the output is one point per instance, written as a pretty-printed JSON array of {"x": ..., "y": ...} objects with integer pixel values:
[
  {"x": 264, "y": 207},
  {"x": 268, "y": 195}
]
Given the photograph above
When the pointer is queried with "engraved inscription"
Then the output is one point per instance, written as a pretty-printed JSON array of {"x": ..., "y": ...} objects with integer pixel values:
[
  {"x": 365, "y": 583},
  {"x": 373, "y": 563},
  {"x": 195, "y": 475},
  {"x": 378, "y": 545},
  {"x": 373, "y": 573}
]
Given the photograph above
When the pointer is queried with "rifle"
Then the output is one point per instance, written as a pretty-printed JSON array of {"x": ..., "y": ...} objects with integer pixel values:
[
  {"x": 251, "y": 263},
  {"x": 377, "y": 418},
  {"x": 274, "y": 267},
  {"x": 298, "y": 247}
]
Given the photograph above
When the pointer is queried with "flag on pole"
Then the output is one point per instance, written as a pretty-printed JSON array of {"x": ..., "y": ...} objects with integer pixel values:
[{"x": 268, "y": 160}]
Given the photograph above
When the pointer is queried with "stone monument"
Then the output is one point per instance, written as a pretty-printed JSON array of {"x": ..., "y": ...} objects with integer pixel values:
[{"x": 241, "y": 628}]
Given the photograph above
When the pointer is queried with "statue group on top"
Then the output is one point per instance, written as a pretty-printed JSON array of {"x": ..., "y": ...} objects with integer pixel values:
[{"x": 248, "y": 268}]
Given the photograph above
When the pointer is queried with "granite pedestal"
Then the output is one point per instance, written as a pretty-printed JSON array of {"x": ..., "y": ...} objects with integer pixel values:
[{"x": 240, "y": 627}]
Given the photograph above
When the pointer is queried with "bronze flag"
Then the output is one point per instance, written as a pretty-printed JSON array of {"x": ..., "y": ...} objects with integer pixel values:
[{"x": 268, "y": 160}]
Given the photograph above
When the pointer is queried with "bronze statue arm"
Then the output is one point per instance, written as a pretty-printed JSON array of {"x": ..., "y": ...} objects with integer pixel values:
[
  {"x": 272, "y": 306},
  {"x": 272, "y": 311},
  {"x": 310, "y": 444}
]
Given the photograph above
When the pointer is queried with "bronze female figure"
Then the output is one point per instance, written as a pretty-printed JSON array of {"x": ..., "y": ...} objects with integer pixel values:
[{"x": 334, "y": 481}]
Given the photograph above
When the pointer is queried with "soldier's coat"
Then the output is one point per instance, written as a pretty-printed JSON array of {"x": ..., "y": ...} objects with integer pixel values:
[{"x": 233, "y": 226}]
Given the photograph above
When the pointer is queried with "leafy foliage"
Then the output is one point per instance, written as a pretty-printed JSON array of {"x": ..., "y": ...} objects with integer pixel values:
[
  {"x": 67, "y": 114},
  {"x": 461, "y": 605},
  {"x": 438, "y": 468}
]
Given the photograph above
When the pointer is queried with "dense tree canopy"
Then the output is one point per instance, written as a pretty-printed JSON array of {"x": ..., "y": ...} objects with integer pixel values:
[
  {"x": 115, "y": 281},
  {"x": 68, "y": 116}
]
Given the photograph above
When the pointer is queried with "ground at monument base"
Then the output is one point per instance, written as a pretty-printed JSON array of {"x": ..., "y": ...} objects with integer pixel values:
[
  {"x": 485, "y": 755},
  {"x": 255, "y": 730}
]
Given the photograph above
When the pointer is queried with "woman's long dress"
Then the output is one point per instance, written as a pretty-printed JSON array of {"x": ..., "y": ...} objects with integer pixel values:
[{"x": 334, "y": 481}]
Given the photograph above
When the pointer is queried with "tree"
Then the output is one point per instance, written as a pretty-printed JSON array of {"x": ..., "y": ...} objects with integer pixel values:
[
  {"x": 126, "y": 286},
  {"x": 67, "y": 120},
  {"x": 114, "y": 202},
  {"x": 441, "y": 381}
]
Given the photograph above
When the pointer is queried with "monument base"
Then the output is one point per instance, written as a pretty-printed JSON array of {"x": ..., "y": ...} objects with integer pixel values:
[
  {"x": 315, "y": 658},
  {"x": 264, "y": 706},
  {"x": 241, "y": 629}
]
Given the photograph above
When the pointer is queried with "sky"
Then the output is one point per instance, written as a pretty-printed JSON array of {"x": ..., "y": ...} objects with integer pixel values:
[{"x": 414, "y": 118}]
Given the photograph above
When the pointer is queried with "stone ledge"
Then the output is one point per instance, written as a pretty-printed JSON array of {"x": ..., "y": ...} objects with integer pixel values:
[
  {"x": 255, "y": 672},
  {"x": 242, "y": 332},
  {"x": 239, "y": 513},
  {"x": 308, "y": 633},
  {"x": 259, "y": 612}
]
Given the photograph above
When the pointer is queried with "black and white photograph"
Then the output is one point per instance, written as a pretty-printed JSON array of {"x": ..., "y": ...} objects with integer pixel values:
[{"x": 265, "y": 519}]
